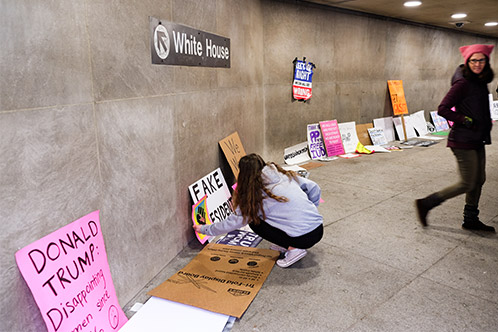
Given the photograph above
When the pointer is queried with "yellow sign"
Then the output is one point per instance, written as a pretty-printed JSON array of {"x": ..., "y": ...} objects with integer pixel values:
[{"x": 397, "y": 97}]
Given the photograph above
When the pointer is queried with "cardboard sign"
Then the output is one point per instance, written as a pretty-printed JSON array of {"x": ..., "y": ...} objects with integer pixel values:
[
  {"x": 362, "y": 132},
  {"x": 315, "y": 142},
  {"x": 349, "y": 137},
  {"x": 397, "y": 97},
  {"x": 439, "y": 122},
  {"x": 221, "y": 278},
  {"x": 68, "y": 274},
  {"x": 200, "y": 216},
  {"x": 218, "y": 200},
  {"x": 296, "y": 154},
  {"x": 331, "y": 138},
  {"x": 303, "y": 74},
  {"x": 377, "y": 136},
  {"x": 233, "y": 150}
]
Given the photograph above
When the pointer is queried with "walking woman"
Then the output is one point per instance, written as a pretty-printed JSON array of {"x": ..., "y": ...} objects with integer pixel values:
[
  {"x": 470, "y": 133},
  {"x": 278, "y": 205}
]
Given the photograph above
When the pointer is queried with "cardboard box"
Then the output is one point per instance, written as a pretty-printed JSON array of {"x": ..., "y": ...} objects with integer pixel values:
[{"x": 221, "y": 278}]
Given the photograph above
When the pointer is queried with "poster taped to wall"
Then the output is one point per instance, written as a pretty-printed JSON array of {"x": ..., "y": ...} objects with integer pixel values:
[
  {"x": 218, "y": 200},
  {"x": 68, "y": 273},
  {"x": 303, "y": 74}
]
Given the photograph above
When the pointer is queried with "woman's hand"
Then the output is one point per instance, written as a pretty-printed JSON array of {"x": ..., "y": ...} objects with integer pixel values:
[{"x": 197, "y": 228}]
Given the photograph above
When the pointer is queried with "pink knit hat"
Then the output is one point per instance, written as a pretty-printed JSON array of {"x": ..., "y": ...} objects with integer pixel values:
[{"x": 468, "y": 50}]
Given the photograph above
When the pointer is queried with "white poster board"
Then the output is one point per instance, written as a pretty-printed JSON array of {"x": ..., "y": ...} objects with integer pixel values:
[
  {"x": 349, "y": 136},
  {"x": 159, "y": 315},
  {"x": 387, "y": 125},
  {"x": 493, "y": 104},
  {"x": 297, "y": 154},
  {"x": 419, "y": 123},
  {"x": 377, "y": 136},
  {"x": 410, "y": 131}
]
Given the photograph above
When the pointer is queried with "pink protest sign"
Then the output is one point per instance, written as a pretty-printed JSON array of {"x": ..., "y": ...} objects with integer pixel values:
[
  {"x": 68, "y": 274},
  {"x": 332, "y": 138}
]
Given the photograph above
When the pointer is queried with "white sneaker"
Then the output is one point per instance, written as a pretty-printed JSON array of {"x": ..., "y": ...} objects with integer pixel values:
[
  {"x": 277, "y": 248},
  {"x": 291, "y": 256}
]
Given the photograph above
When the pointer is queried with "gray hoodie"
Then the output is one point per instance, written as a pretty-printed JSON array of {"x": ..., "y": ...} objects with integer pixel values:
[{"x": 296, "y": 217}]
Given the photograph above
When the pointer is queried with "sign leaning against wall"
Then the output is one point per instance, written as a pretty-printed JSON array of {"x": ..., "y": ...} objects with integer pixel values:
[{"x": 175, "y": 44}]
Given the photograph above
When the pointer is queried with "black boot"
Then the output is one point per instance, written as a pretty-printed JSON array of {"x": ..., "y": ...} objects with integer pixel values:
[
  {"x": 471, "y": 220},
  {"x": 424, "y": 205}
]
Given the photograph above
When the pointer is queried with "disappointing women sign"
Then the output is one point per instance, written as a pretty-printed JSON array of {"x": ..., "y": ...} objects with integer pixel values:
[
  {"x": 68, "y": 274},
  {"x": 175, "y": 44}
]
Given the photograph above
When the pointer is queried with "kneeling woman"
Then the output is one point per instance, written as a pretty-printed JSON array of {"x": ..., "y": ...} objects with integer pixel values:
[{"x": 278, "y": 205}]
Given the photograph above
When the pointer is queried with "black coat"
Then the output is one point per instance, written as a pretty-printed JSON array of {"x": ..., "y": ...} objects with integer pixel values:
[{"x": 470, "y": 97}]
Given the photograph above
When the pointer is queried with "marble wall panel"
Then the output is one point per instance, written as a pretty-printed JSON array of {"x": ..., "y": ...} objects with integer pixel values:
[
  {"x": 49, "y": 178},
  {"x": 119, "y": 38},
  {"x": 139, "y": 198},
  {"x": 44, "y": 54},
  {"x": 242, "y": 22}
]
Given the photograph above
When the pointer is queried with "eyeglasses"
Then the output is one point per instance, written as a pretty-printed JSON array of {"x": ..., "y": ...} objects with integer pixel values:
[{"x": 476, "y": 61}]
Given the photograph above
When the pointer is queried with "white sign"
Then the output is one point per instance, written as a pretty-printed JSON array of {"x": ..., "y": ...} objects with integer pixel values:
[
  {"x": 410, "y": 131},
  {"x": 377, "y": 136},
  {"x": 419, "y": 123},
  {"x": 349, "y": 136},
  {"x": 387, "y": 125},
  {"x": 296, "y": 154},
  {"x": 219, "y": 199}
]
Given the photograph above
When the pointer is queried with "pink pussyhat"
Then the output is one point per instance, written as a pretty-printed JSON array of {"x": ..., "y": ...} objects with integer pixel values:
[{"x": 468, "y": 50}]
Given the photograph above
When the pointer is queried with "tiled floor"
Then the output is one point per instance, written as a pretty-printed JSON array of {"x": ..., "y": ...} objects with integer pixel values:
[{"x": 376, "y": 268}]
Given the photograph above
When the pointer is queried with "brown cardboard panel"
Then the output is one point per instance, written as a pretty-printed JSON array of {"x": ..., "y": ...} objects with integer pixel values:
[
  {"x": 362, "y": 132},
  {"x": 233, "y": 150},
  {"x": 311, "y": 165},
  {"x": 221, "y": 278}
]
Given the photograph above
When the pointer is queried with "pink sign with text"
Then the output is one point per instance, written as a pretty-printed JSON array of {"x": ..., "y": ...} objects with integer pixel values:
[
  {"x": 332, "y": 138},
  {"x": 68, "y": 274}
]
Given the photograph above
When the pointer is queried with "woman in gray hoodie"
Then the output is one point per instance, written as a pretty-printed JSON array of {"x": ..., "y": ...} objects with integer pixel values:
[{"x": 278, "y": 205}]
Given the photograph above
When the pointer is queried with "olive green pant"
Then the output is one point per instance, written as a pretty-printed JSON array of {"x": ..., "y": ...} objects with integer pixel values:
[{"x": 472, "y": 168}]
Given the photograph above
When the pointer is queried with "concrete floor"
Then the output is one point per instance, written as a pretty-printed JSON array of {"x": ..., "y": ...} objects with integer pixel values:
[{"x": 376, "y": 268}]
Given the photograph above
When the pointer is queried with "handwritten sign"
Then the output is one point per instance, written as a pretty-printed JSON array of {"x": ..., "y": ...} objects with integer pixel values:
[
  {"x": 315, "y": 142},
  {"x": 296, "y": 154},
  {"x": 219, "y": 199},
  {"x": 377, "y": 136},
  {"x": 397, "y": 97},
  {"x": 68, "y": 274},
  {"x": 349, "y": 137},
  {"x": 331, "y": 138},
  {"x": 233, "y": 150},
  {"x": 301, "y": 86}
]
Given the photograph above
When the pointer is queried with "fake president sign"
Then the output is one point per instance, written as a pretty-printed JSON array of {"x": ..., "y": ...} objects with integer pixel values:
[
  {"x": 68, "y": 274},
  {"x": 218, "y": 200},
  {"x": 303, "y": 74}
]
